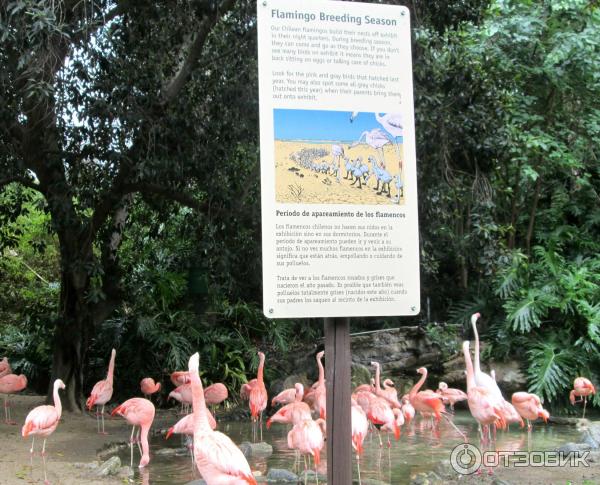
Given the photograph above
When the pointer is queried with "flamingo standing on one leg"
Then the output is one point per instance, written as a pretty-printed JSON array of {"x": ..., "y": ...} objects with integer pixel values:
[
  {"x": 215, "y": 394},
  {"x": 140, "y": 412},
  {"x": 102, "y": 392},
  {"x": 42, "y": 421},
  {"x": 582, "y": 387},
  {"x": 258, "y": 396},
  {"x": 183, "y": 394},
  {"x": 219, "y": 460},
  {"x": 10, "y": 384},
  {"x": 149, "y": 387}
]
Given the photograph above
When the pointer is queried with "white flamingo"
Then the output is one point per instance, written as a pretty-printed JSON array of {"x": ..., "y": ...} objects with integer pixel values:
[
  {"x": 377, "y": 139},
  {"x": 392, "y": 123}
]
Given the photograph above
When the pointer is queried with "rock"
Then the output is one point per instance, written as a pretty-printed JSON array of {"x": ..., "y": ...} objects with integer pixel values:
[
  {"x": 594, "y": 457},
  {"x": 111, "y": 449},
  {"x": 125, "y": 472},
  {"x": 430, "y": 478},
  {"x": 109, "y": 467},
  {"x": 592, "y": 435},
  {"x": 279, "y": 475},
  {"x": 563, "y": 420},
  {"x": 573, "y": 447},
  {"x": 360, "y": 374},
  {"x": 499, "y": 481},
  {"x": 172, "y": 451},
  {"x": 261, "y": 450},
  {"x": 196, "y": 482},
  {"x": 444, "y": 470},
  {"x": 369, "y": 481},
  {"x": 87, "y": 466},
  {"x": 310, "y": 475}
]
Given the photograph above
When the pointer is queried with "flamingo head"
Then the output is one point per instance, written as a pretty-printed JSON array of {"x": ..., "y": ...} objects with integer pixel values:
[
  {"x": 475, "y": 317},
  {"x": 375, "y": 364},
  {"x": 422, "y": 370},
  {"x": 170, "y": 431},
  {"x": 144, "y": 461},
  {"x": 320, "y": 355},
  {"x": 442, "y": 386},
  {"x": 261, "y": 356},
  {"x": 572, "y": 396},
  {"x": 388, "y": 382},
  {"x": 299, "y": 390},
  {"x": 545, "y": 415},
  {"x": 194, "y": 363},
  {"x": 58, "y": 383}
]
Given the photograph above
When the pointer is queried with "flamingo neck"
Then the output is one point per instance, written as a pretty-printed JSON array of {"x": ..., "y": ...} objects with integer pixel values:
[
  {"x": 198, "y": 402},
  {"x": 299, "y": 392},
  {"x": 417, "y": 386},
  {"x": 57, "y": 403},
  {"x": 377, "y": 383},
  {"x": 469, "y": 365},
  {"x": 321, "y": 370},
  {"x": 111, "y": 367},
  {"x": 261, "y": 365},
  {"x": 145, "y": 446},
  {"x": 477, "y": 367}
]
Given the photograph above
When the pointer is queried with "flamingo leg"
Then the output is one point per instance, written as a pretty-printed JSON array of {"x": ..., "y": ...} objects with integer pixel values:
[
  {"x": 455, "y": 427},
  {"x": 584, "y": 404},
  {"x": 358, "y": 468},
  {"x": 32, "y": 443},
  {"x": 46, "y": 482},
  {"x": 137, "y": 440},
  {"x": 131, "y": 447},
  {"x": 102, "y": 416}
]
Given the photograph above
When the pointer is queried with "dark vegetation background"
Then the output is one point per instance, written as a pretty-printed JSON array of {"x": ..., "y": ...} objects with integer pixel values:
[{"x": 129, "y": 188}]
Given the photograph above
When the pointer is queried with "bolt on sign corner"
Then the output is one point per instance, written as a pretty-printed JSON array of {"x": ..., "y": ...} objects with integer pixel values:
[{"x": 338, "y": 165}]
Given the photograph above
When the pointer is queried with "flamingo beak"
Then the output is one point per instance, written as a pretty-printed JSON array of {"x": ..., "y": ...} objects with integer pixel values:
[{"x": 169, "y": 433}]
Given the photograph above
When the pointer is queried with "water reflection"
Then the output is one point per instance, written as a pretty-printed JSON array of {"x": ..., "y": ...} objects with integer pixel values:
[{"x": 419, "y": 449}]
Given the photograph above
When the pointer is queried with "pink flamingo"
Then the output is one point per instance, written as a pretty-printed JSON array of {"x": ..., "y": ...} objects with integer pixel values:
[
  {"x": 138, "y": 411},
  {"x": 307, "y": 437},
  {"x": 483, "y": 404},
  {"x": 529, "y": 406},
  {"x": 180, "y": 377},
  {"x": 360, "y": 428},
  {"x": 215, "y": 394},
  {"x": 42, "y": 421},
  {"x": 10, "y": 384},
  {"x": 320, "y": 390},
  {"x": 183, "y": 394},
  {"x": 186, "y": 425},
  {"x": 257, "y": 392},
  {"x": 379, "y": 412},
  {"x": 149, "y": 387},
  {"x": 426, "y": 401},
  {"x": 407, "y": 409},
  {"x": 366, "y": 387},
  {"x": 219, "y": 460},
  {"x": 286, "y": 396},
  {"x": 389, "y": 393},
  {"x": 452, "y": 395},
  {"x": 582, "y": 387},
  {"x": 392, "y": 123},
  {"x": 5, "y": 367},
  {"x": 102, "y": 392},
  {"x": 293, "y": 412}
]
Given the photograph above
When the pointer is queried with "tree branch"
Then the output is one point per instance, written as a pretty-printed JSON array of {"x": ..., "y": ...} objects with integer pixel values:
[{"x": 175, "y": 85}]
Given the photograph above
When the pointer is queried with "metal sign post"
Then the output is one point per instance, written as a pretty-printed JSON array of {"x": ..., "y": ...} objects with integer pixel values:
[{"x": 339, "y": 425}]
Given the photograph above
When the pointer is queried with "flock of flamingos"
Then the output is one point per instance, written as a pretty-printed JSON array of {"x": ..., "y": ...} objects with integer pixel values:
[{"x": 374, "y": 408}]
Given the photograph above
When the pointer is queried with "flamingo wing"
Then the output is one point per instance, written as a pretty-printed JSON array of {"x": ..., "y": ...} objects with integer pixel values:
[
  {"x": 216, "y": 452},
  {"x": 101, "y": 393},
  {"x": 40, "y": 418}
]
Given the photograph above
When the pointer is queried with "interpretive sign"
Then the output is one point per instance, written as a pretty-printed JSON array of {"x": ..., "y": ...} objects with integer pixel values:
[{"x": 338, "y": 169}]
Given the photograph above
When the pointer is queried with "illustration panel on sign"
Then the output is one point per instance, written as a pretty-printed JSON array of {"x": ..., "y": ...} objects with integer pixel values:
[{"x": 338, "y": 157}]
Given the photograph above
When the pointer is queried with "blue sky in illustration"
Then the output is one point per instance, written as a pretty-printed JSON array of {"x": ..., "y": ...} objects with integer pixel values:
[{"x": 317, "y": 125}]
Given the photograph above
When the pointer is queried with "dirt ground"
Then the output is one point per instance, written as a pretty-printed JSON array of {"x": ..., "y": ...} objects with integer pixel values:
[
  {"x": 296, "y": 184},
  {"x": 75, "y": 443},
  {"x": 69, "y": 449}
]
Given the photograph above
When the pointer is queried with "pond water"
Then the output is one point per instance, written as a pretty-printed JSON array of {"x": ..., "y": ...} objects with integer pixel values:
[{"x": 419, "y": 449}]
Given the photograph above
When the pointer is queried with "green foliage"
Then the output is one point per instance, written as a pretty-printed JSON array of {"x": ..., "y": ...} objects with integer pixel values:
[{"x": 446, "y": 337}]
